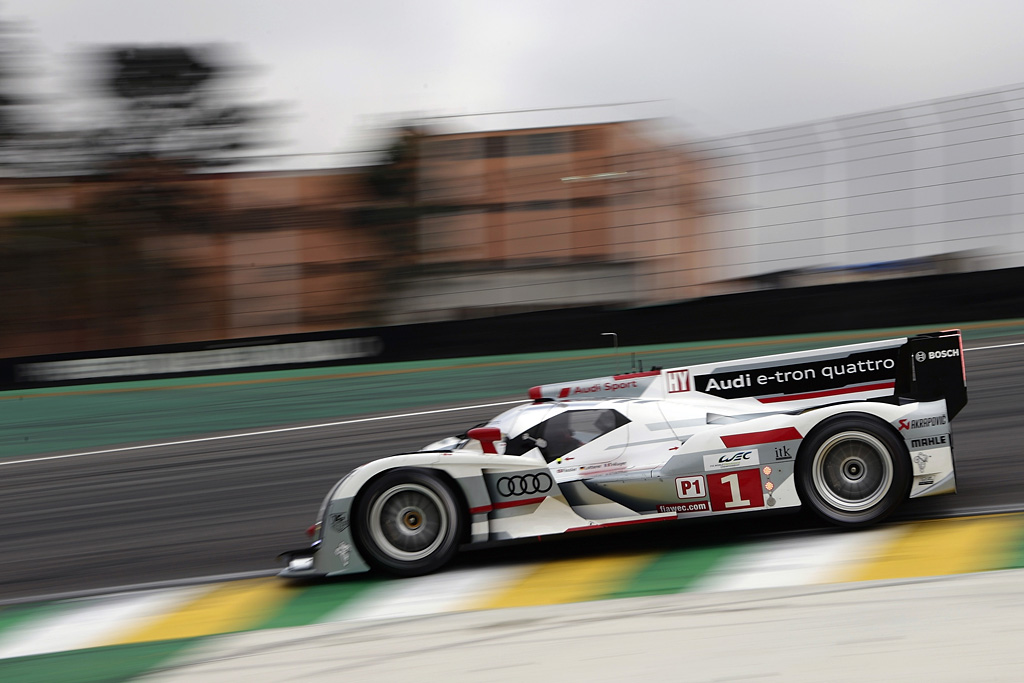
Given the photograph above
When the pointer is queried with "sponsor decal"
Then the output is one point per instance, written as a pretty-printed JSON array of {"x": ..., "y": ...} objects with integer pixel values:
[
  {"x": 926, "y": 481},
  {"x": 700, "y": 506},
  {"x": 856, "y": 368},
  {"x": 612, "y": 387},
  {"x": 339, "y": 521},
  {"x": 605, "y": 466},
  {"x": 344, "y": 553},
  {"x": 524, "y": 484},
  {"x": 678, "y": 381},
  {"x": 922, "y": 356},
  {"x": 936, "y": 421},
  {"x": 691, "y": 487},
  {"x": 782, "y": 453},
  {"x": 929, "y": 441},
  {"x": 727, "y": 461},
  {"x": 737, "y": 490},
  {"x": 921, "y": 460}
]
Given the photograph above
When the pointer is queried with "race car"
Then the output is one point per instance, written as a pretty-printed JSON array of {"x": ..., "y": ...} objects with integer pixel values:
[{"x": 849, "y": 432}]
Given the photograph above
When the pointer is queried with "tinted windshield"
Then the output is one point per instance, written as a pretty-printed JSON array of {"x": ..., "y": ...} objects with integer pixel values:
[{"x": 566, "y": 431}]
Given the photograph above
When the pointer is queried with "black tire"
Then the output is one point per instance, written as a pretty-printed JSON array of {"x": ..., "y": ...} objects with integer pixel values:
[
  {"x": 408, "y": 522},
  {"x": 853, "y": 471}
]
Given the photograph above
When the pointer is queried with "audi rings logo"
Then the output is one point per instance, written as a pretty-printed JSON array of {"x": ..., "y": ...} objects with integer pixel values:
[{"x": 521, "y": 485}]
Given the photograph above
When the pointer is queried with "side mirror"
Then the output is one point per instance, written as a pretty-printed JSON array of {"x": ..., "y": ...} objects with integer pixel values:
[{"x": 486, "y": 436}]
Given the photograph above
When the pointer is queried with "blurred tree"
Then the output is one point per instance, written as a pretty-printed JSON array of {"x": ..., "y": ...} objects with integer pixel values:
[
  {"x": 18, "y": 125},
  {"x": 395, "y": 213},
  {"x": 173, "y": 104},
  {"x": 392, "y": 215},
  {"x": 172, "y": 113},
  {"x": 10, "y": 124},
  {"x": 394, "y": 177},
  {"x": 95, "y": 275}
]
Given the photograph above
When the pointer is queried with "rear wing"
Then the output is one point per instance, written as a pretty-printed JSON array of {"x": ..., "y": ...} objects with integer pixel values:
[
  {"x": 925, "y": 367},
  {"x": 931, "y": 367}
]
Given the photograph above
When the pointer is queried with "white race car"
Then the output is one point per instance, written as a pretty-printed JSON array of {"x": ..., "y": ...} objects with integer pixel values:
[{"x": 848, "y": 431}]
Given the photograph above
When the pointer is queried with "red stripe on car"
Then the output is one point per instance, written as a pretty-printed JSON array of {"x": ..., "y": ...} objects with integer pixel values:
[
  {"x": 755, "y": 438},
  {"x": 830, "y": 392},
  {"x": 516, "y": 503}
]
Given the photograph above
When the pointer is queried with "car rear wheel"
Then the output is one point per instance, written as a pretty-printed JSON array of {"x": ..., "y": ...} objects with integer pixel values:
[
  {"x": 853, "y": 471},
  {"x": 409, "y": 522}
]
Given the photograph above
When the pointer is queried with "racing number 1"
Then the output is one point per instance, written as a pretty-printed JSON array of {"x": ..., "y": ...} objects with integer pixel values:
[
  {"x": 733, "y": 480},
  {"x": 735, "y": 490}
]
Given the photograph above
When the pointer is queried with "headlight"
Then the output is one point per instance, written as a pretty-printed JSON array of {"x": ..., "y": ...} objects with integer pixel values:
[{"x": 300, "y": 564}]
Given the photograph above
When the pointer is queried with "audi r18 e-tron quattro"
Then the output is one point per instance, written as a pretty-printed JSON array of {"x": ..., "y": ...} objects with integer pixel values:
[{"x": 849, "y": 432}]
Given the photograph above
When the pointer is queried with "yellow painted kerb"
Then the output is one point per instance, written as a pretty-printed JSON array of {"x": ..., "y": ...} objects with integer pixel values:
[
  {"x": 940, "y": 547},
  {"x": 229, "y": 607},
  {"x": 563, "y": 581}
]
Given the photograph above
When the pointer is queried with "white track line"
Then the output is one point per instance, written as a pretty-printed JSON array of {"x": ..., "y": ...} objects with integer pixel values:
[
  {"x": 997, "y": 346},
  {"x": 259, "y": 433}
]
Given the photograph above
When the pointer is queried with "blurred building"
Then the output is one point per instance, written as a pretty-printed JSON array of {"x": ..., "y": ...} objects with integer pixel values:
[
  {"x": 120, "y": 262},
  {"x": 475, "y": 225},
  {"x": 523, "y": 220}
]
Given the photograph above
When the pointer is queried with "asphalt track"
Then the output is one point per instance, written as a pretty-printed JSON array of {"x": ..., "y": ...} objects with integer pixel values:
[{"x": 226, "y": 506}]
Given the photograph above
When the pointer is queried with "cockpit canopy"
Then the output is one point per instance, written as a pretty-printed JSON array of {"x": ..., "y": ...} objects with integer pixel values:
[{"x": 555, "y": 428}]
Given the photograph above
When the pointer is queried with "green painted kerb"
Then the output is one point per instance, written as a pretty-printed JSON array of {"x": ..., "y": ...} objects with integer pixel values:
[{"x": 97, "y": 665}]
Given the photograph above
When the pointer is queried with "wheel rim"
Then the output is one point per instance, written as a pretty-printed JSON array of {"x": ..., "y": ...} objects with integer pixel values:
[
  {"x": 852, "y": 471},
  {"x": 408, "y": 522}
]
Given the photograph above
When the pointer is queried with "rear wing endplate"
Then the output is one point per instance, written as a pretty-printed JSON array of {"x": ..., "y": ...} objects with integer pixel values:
[{"x": 931, "y": 367}]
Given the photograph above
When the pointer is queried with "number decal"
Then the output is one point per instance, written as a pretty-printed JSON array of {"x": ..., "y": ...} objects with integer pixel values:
[
  {"x": 733, "y": 480},
  {"x": 737, "y": 490}
]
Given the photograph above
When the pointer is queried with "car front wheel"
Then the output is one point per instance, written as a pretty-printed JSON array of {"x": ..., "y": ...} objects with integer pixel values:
[{"x": 409, "y": 522}]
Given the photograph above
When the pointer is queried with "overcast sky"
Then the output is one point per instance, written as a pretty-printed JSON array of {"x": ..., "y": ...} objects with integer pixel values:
[{"x": 712, "y": 66}]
